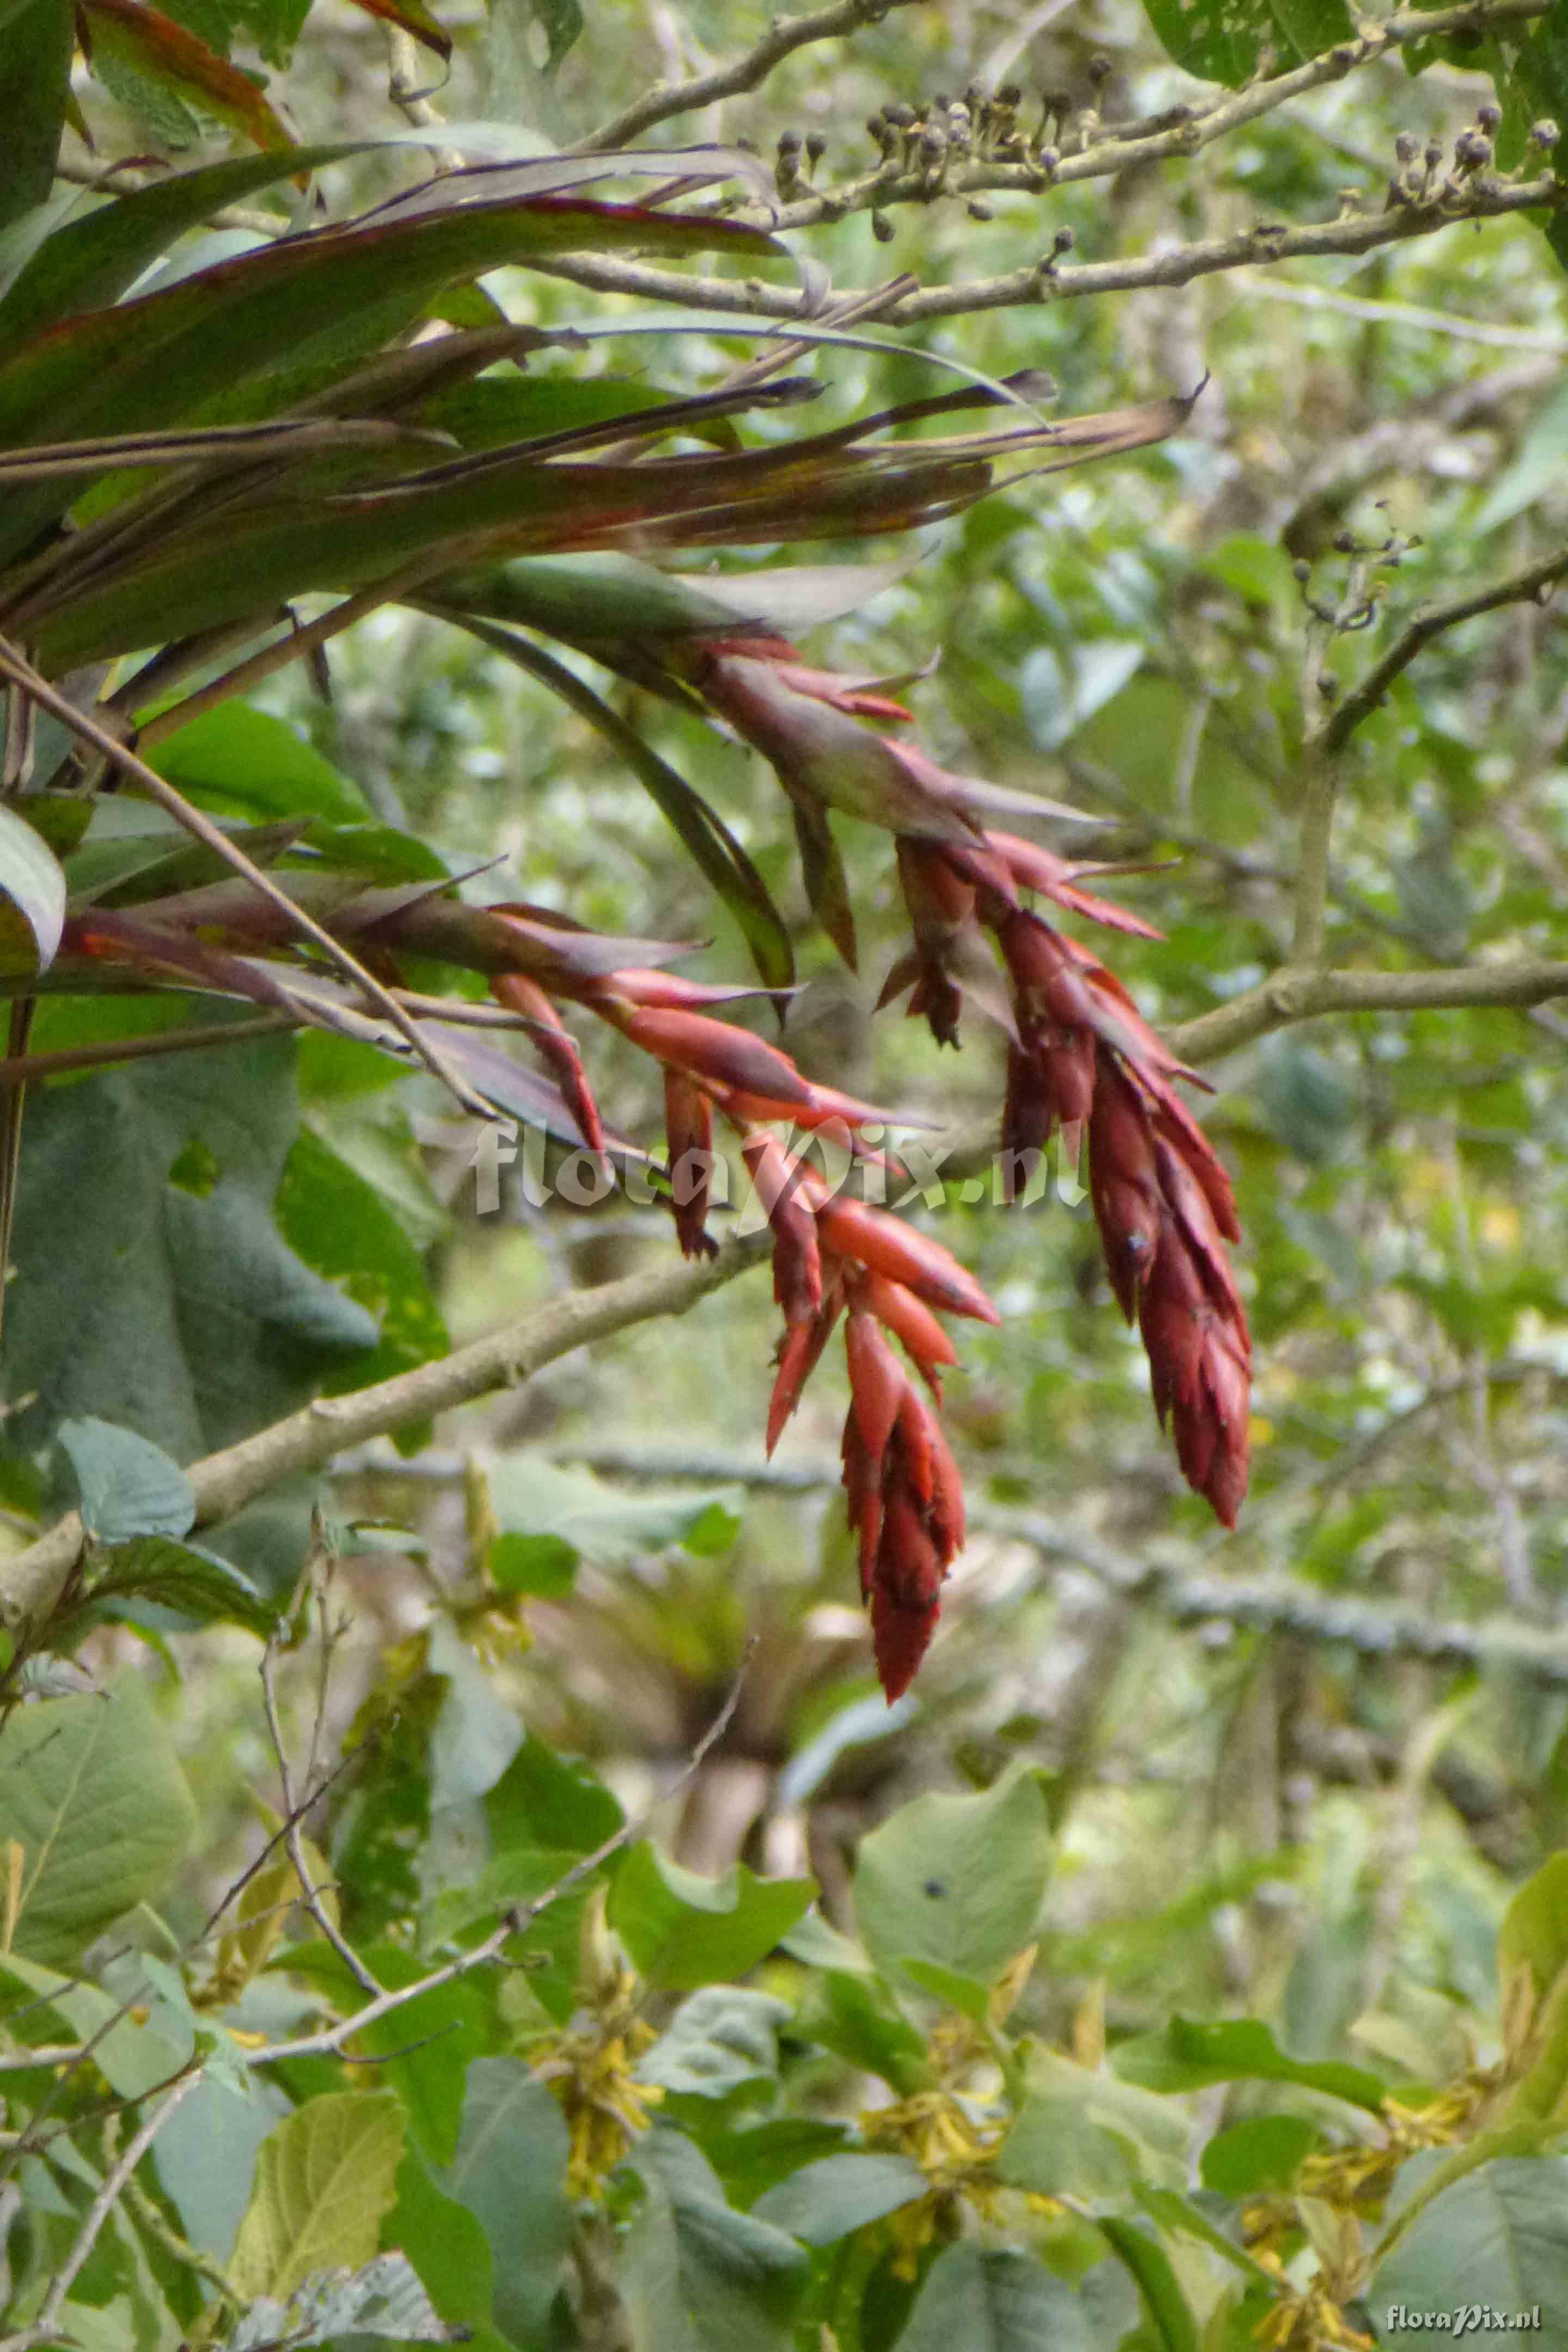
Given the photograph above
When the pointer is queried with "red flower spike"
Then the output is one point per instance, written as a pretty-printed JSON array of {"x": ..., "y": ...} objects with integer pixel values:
[
  {"x": 798, "y": 1355},
  {"x": 906, "y": 1581},
  {"x": 876, "y": 1383},
  {"x": 900, "y": 1312},
  {"x": 689, "y": 1131},
  {"x": 786, "y": 1188},
  {"x": 559, "y": 1048},
  {"x": 718, "y": 1055},
  {"x": 885, "y": 1246},
  {"x": 1033, "y": 868}
]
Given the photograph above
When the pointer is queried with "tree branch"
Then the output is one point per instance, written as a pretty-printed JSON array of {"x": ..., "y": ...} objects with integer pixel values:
[
  {"x": 1049, "y": 280},
  {"x": 785, "y": 34},
  {"x": 32, "y": 1580},
  {"x": 1292, "y": 995},
  {"x": 1272, "y": 1602},
  {"x": 1530, "y": 585}
]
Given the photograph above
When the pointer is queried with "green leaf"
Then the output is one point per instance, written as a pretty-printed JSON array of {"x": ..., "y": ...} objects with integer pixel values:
[
  {"x": 133, "y": 2059},
  {"x": 721, "y": 2037},
  {"x": 704, "y": 835},
  {"x": 956, "y": 1880},
  {"x": 1499, "y": 2237},
  {"x": 510, "y": 2172},
  {"x": 247, "y": 764},
  {"x": 206, "y": 2156},
  {"x": 545, "y": 1565},
  {"x": 561, "y": 21},
  {"x": 1263, "y": 2154},
  {"x": 127, "y": 1487},
  {"x": 449, "y": 2249},
  {"x": 994, "y": 2299},
  {"x": 324, "y": 2180},
  {"x": 195, "y": 1583},
  {"x": 91, "y": 1791},
  {"x": 340, "y": 1227},
  {"x": 32, "y": 899},
  {"x": 423, "y": 2048},
  {"x": 384, "y": 2298},
  {"x": 159, "y": 1294},
  {"x": 1534, "y": 1930},
  {"x": 840, "y": 2194},
  {"x": 1151, "y": 2265},
  {"x": 967, "y": 1994},
  {"x": 1054, "y": 2146},
  {"x": 36, "y": 41},
  {"x": 547, "y": 1799},
  {"x": 1188, "y": 2054},
  {"x": 1223, "y": 41},
  {"x": 1123, "y": 2133},
  {"x": 682, "y": 1930},
  {"x": 697, "y": 2275},
  {"x": 858, "y": 2019},
  {"x": 534, "y": 1497}
]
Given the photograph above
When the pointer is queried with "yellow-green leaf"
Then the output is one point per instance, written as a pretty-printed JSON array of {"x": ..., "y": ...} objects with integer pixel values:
[{"x": 324, "y": 2180}]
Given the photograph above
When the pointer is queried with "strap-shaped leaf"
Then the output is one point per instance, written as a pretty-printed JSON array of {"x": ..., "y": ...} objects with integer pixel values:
[
  {"x": 703, "y": 833},
  {"x": 31, "y": 912}
]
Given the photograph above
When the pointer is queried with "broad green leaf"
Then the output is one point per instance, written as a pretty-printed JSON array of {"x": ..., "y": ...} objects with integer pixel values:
[
  {"x": 36, "y": 42},
  {"x": 159, "y": 1294},
  {"x": 510, "y": 2172},
  {"x": 449, "y": 2249},
  {"x": 475, "y": 1735},
  {"x": 90, "y": 1789},
  {"x": 967, "y": 1994},
  {"x": 127, "y": 1487},
  {"x": 682, "y": 1930},
  {"x": 247, "y": 764},
  {"x": 698, "y": 2276},
  {"x": 547, "y": 1799},
  {"x": 32, "y": 899},
  {"x": 196, "y": 1585},
  {"x": 840, "y": 2194},
  {"x": 857, "y": 2018},
  {"x": 423, "y": 2048},
  {"x": 206, "y": 2156},
  {"x": 720, "y": 2038},
  {"x": 1153, "y": 2133},
  {"x": 1263, "y": 2154},
  {"x": 955, "y": 1879},
  {"x": 324, "y": 2181},
  {"x": 1538, "y": 468},
  {"x": 1497, "y": 2238},
  {"x": 132, "y": 2059},
  {"x": 545, "y": 1565},
  {"x": 1223, "y": 41},
  {"x": 340, "y": 1228},
  {"x": 1188, "y": 2054},
  {"x": 1056, "y": 2147},
  {"x": 996, "y": 2299},
  {"x": 1534, "y": 1931}
]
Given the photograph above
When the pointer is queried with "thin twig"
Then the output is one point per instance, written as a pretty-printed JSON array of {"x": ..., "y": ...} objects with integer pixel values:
[
  {"x": 212, "y": 837},
  {"x": 46, "y": 2329},
  {"x": 293, "y": 1812},
  {"x": 1529, "y": 586},
  {"x": 331, "y": 2038},
  {"x": 784, "y": 35}
]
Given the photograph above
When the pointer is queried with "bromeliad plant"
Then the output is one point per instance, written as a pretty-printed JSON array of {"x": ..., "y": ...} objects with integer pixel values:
[{"x": 343, "y": 414}]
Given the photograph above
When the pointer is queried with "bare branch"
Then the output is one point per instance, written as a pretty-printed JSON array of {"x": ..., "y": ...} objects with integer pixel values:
[
  {"x": 785, "y": 34},
  {"x": 1292, "y": 995},
  {"x": 31, "y": 1581},
  {"x": 1531, "y": 585},
  {"x": 46, "y": 2329},
  {"x": 1275, "y": 1602},
  {"x": 293, "y": 1812},
  {"x": 331, "y": 2038},
  {"x": 1049, "y": 280}
]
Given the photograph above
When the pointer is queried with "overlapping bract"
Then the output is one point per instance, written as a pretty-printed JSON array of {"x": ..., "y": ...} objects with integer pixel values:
[{"x": 1081, "y": 1056}]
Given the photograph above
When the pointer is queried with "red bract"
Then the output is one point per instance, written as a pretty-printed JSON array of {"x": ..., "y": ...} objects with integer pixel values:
[
  {"x": 904, "y": 1499},
  {"x": 689, "y": 1131},
  {"x": 558, "y": 1048}
]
